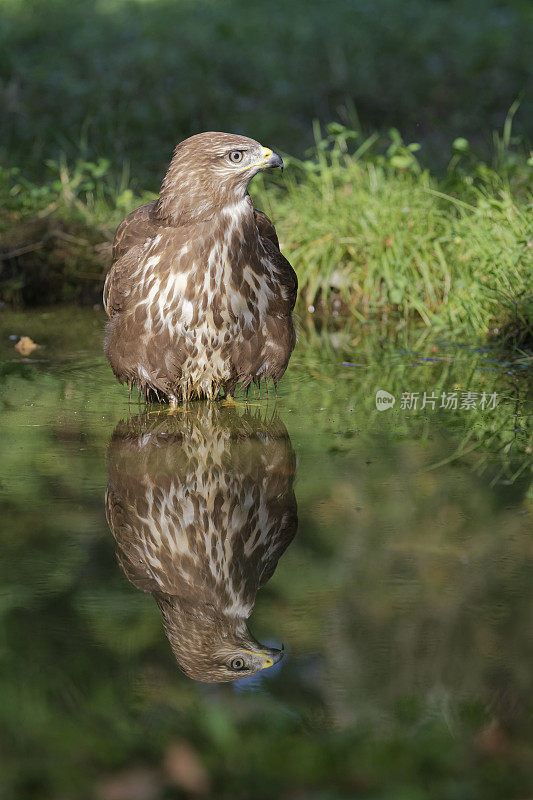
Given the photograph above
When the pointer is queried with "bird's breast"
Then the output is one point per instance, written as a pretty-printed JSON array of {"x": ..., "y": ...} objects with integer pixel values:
[{"x": 219, "y": 291}]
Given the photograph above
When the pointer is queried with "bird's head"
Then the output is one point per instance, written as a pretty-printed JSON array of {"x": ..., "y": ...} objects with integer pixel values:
[
  {"x": 211, "y": 646},
  {"x": 210, "y": 171}
]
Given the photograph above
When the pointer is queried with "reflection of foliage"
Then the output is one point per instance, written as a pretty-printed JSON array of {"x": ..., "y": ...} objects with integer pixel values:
[
  {"x": 496, "y": 442},
  {"x": 404, "y": 598}
]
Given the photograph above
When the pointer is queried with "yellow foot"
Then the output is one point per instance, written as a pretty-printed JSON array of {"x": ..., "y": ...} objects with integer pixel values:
[
  {"x": 170, "y": 411},
  {"x": 173, "y": 408},
  {"x": 231, "y": 402}
]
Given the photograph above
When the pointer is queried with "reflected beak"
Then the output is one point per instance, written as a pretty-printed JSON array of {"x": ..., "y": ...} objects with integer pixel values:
[
  {"x": 271, "y": 658},
  {"x": 266, "y": 658}
]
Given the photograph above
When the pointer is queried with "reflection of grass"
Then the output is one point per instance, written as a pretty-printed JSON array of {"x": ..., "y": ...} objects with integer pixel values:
[
  {"x": 497, "y": 442},
  {"x": 403, "y": 599}
]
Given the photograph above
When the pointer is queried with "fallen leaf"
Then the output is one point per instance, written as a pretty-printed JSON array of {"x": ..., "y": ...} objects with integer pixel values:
[
  {"x": 135, "y": 783},
  {"x": 185, "y": 770},
  {"x": 493, "y": 740},
  {"x": 25, "y": 345}
]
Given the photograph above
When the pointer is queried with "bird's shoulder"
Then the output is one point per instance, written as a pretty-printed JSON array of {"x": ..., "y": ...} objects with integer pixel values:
[
  {"x": 139, "y": 236},
  {"x": 136, "y": 228}
]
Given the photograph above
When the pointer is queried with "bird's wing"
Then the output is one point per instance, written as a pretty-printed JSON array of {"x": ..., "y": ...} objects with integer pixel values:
[
  {"x": 132, "y": 234},
  {"x": 285, "y": 275},
  {"x": 265, "y": 227},
  {"x": 118, "y": 281},
  {"x": 282, "y": 535},
  {"x": 135, "y": 229},
  {"x": 129, "y": 555}
]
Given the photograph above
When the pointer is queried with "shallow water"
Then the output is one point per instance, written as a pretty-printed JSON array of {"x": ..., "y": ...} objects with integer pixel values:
[{"x": 388, "y": 549}]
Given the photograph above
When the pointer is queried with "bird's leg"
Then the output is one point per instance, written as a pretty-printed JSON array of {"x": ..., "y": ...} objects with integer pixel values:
[
  {"x": 174, "y": 406},
  {"x": 229, "y": 400}
]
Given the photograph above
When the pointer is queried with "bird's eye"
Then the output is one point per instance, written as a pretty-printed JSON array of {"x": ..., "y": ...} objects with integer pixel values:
[
  {"x": 235, "y": 156},
  {"x": 237, "y": 664}
]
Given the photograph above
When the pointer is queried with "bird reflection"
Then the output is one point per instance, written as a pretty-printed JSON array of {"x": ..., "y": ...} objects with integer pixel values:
[{"x": 202, "y": 506}]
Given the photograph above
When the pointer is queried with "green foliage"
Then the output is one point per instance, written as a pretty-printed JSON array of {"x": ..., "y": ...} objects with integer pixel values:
[{"x": 368, "y": 226}]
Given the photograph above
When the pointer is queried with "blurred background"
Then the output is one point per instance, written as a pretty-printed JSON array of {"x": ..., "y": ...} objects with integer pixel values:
[{"x": 127, "y": 79}]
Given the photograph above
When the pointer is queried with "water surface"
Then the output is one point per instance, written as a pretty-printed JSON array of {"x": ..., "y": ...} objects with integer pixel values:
[{"x": 387, "y": 547}]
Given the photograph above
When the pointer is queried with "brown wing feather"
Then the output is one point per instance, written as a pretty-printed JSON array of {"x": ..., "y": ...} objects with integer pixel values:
[
  {"x": 118, "y": 281},
  {"x": 265, "y": 227},
  {"x": 135, "y": 229},
  {"x": 275, "y": 341},
  {"x": 138, "y": 227},
  {"x": 287, "y": 276}
]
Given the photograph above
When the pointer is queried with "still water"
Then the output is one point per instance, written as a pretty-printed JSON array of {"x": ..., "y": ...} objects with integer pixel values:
[{"x": 319, "y": 596}]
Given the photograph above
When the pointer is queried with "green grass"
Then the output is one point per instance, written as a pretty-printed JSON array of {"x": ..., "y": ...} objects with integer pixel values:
[
  {"x": 378, "y": 235},
  {"x": 369, "y": 231}
]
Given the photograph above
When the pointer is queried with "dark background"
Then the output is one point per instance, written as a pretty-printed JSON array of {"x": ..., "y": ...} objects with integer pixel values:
[{"x": 127, "y": 80}]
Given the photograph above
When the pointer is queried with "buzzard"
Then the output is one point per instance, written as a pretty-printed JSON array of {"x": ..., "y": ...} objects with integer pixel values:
[
  {"x": 201, "y": 507},
  {"x": 199, "y": 296}
]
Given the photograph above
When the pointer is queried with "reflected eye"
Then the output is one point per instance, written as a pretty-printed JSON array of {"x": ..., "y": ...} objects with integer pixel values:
[
  {"x": 237, "y": 664},
  {"x": 235, "y": 156}
]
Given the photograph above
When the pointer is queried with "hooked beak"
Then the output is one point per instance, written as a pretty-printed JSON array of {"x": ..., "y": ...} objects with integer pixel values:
[
  {"x": 268, "y": 160},
  {"x": 271, "y": 159},
  {"x": 267, "y": 657}
]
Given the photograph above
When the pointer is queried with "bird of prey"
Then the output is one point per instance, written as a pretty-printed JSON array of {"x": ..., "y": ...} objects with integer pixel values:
[
  {"x": 202, "y": 506},
  {"x": 199, "y": 296}
]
